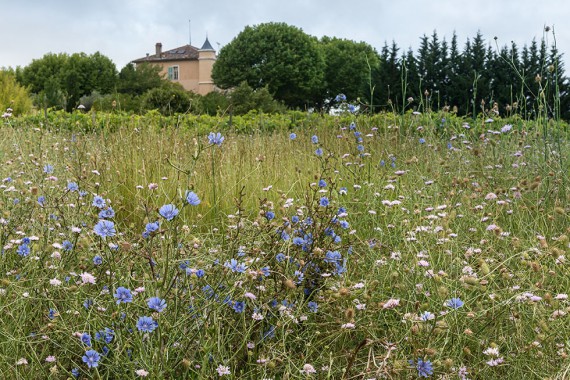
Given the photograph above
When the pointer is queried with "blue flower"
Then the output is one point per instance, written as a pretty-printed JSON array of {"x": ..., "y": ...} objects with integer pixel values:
[
  {"x": 123, "y": 294},
  {"x": 425, "y": 368},
  {"x": 269, "y": 215},
  {"x": 333, "y": 257},
  {"x": 91, "y": 358},
  {"x": 215, "y": 138},
  {"x": 87, "y": 303},
  {"x": 322, "y": 183},
  {"x": 454, "y": 303},
  {"x": 344, "y": 224},
  {"x": 98, "y": 201},
  {"x": 72, "y": 186},
  {"x": 319, "y": 152},
  {"x": 97, "y": 260},
  {"x": 23, "y": 250},
  {"x": 157, "y": 303},
  {"x": 324, "y": 202},
  {"x": 294, "y": 219},
  {"x": 292, "y": 136},
  {"x": 67, "y": 245},
  {"x": 239, "y": 306},
  {"x": 152, "y": 227},
  {"x": 107, "y": 213},
  {"x": 280, "y": 257},
  {"x": 48, "y": 169},
  {"x": 340, "y": 98},
  {"x": 75, "y": 372},
  {"x": 146, "y": 324},
  {"x": 104, "y": 228},
  {"x": 360, "y": 148},
  {"x": 41, "y": 200},
  {"x": 315, "y": 139},
  {"x": 422, "y": 140},
  {"x": 52, "y": 313},
  {"x": 234, "y": 266},
  {"x": 192, "y": 198},
  {"x": 313, "y": 306},
  {"x": 86, "y": 339},
  {"x": 168, "y": 212}
]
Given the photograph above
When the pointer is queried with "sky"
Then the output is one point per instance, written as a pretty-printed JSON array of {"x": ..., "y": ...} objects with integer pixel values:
[{"x": 124, "y": 30}]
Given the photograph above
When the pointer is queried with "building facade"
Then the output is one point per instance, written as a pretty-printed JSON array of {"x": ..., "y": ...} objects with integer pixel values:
[{"x": 187, "y": 65}]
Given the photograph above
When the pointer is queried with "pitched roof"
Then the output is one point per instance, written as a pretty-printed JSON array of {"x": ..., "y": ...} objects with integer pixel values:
[
  {"x": 207, "y": 45},
  {"x": 183, "y": 53}
]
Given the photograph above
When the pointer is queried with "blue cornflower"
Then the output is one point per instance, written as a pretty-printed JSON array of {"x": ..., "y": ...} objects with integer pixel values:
[
  {"x": 324, "y": 202},
  {"x": 67, "y": 245},
  {"x": 48, "y": 169},
  {"x": 105, "y": 350},
  {"x": 269, "y": 215},
  {"x": 87, "y": 303},
  {"x": 280, "y": 257},
  {"x": 294, "y": 219},
  {"x": 97, "y": 260},
  {"x": 86, "y": 339},
  {"x": 322, "y": 183},
  {"x": 422, "y": 140},
  {"x": 104, "y": 228},
  {"x": 26, "y": 240},
  {"x": 72, "y": 186},
  {"x": 239, "y": 306},
  {"x": 107, "y": 213},
  {"x": 91, "y": 358},
  {"x": 449, "y": 146},
  {"x": 234, "y": 266},
  {"x": 360, "y": 148},
  {"x": 99, "y": 201},
  {"x": 382, "y": 163},
  {"x": 319, "y": 152},
  {"x": 52, "y": 313},
  {"x": 168, "y": 212},
  {"x": 351, "y": 108},
  {"x": 285, "y": 236},
  {"x": 298, "y": 240},
  {"x": 454, "y": 303},
  {"x": 333, "y": 257},
  {"x": 152, "y": 227},
  {"x": 146, "y": 324},
  {"x": 313, "y": 306},
  {"x": 215, "y": 138},
  {"x": 266, "y": 271},
  {"x": 340, "y": 98},
  {"x": 344, "y": 224},
  {"x": 75, "y": 372},
  {"x": 23, "y": 250},
  {"x": 200, "y": 273},
  {"x": 192, "y": 198},
  {"x": 425, "y": 368},
  {"x": 41, "y": 200},
  {"x": 315, "y": 139},
  {"x": 427, "y": 316},
  {"x": 157, "y": 303},
  {"x": 123, "y": 294},
  {"x": 293, "y": 136}
]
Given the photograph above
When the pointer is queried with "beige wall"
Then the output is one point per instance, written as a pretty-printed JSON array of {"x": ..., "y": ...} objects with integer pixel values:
[{"x": 194, "y": 76}]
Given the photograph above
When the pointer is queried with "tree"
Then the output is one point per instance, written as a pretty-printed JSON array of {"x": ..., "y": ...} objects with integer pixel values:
[
  {"x": 137, "y": 80},
  {"x": 12, "y": 95},
  {"x": 61, "y": 80},
  {"x": 348, "y": 68},
  {"x": 276, "y": 55},
  {"x": 168, "y": 99}
]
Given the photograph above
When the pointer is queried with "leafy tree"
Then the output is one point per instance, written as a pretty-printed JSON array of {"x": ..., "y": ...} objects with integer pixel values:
[
  {"x": 348, "y": 68},
  {"x": 276, "y": 55},
  {"x": 60, "y": 79},
  {"x": 13, "y": 95},
  {"x": 215, "y": 102},
  {"x": 243, "y": 99},
  {"x": 168, "y": 99},
  {"x": 137, "y": 80}
]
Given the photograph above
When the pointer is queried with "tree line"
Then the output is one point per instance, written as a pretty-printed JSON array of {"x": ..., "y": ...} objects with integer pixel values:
[{"x": 275, "y": 66}]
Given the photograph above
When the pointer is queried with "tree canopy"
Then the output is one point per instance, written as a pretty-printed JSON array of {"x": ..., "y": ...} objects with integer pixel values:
[{"x": 276, "y": 55}]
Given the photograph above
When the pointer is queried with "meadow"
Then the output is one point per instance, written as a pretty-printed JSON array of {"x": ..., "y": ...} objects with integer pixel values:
[{"x": 284, "y": 247}]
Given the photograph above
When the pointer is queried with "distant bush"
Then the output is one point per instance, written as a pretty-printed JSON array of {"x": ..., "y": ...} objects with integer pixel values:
[
  {"x": 12, "y": 95},
  {"x": 168, "y": 100},
  {"x": 244, "y": 99}
]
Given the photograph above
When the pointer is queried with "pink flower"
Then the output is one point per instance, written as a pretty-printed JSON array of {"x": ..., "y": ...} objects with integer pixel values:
[
  {"x": 308, "y": 369},
  {"x": 141, "y": 372},
  {"x": 87, "y": 278},
  {"x": 50, "y": 359},
  {"x": 391, "y": 303},
  {"x": 223, "y": 370}
]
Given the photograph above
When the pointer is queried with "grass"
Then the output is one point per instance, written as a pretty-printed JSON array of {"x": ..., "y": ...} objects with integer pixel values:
[{"x": 432, "y": 211}]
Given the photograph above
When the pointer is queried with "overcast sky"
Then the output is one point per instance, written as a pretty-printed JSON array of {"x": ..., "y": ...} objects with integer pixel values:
[{"x": 125, "y": 30}]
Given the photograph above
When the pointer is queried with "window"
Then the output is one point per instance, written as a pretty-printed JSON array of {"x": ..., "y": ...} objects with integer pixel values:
[{"x": 173, "y": 73}]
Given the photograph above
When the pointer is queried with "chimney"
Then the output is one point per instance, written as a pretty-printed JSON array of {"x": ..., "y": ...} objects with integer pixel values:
[{"x": 158, "y": 50}]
